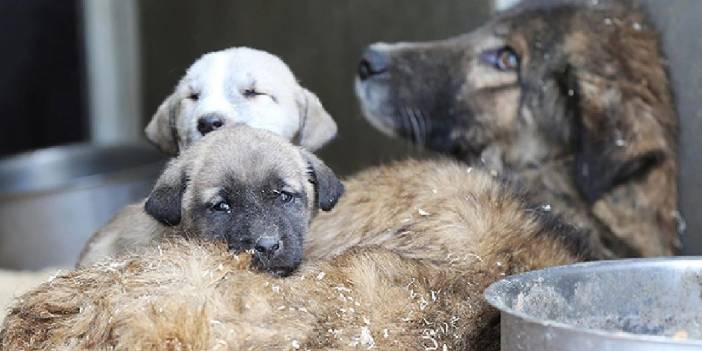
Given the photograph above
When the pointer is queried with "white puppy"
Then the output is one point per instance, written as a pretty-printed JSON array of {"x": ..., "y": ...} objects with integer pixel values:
[{"x": 240, "y": 85}]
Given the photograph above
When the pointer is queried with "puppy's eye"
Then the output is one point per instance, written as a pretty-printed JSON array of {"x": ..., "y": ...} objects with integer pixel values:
[
  {"x": 503, "y": 59},
  {"x": 222, "y": 206},
  {"x": 251, "y": 93},
  {"x": 285, "y": 197},
  {"x": 194, "y": 96}
]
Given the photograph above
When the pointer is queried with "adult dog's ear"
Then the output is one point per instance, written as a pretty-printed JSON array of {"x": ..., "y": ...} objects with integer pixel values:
[
  {"x": 161, "y": 130},
  {"x": 618, "y": 131},
  {"x": 164, "y": 202},
  {"x": 317, "y": 127},
  {"x": 328, "y": 187}
]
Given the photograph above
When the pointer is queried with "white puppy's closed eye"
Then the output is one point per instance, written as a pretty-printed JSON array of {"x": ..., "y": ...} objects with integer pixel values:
[
  {"x": 240, "y": 85},
  {"x": 252, "y": 93}
]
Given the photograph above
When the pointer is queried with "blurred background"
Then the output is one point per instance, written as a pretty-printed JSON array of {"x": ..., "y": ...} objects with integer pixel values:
[{"x": 80, "y": 78}]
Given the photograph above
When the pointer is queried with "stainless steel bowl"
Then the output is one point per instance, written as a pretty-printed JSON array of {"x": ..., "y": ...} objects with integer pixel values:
[
  {"x": 52, "y": 200},
  {"x": 639, "y": 304}
]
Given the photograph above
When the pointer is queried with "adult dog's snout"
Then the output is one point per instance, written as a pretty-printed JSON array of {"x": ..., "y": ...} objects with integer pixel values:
[
  {"x": 208, "y": 123},
  {"x": 373, "y": 62}
]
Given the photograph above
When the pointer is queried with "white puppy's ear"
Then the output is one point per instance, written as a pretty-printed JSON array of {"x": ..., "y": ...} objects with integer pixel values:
[
  {"x": 161, "y": 130},
  {"x": 317, "y": 126}
]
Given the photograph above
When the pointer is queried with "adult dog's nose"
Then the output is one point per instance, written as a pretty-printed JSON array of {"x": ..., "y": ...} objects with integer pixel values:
[
  {"x": 208, "y": 123},
  {"x": 267, "y": 246},
  {"x": 373, "y": 62}
]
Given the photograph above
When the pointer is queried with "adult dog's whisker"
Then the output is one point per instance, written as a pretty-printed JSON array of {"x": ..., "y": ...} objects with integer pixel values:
[
  {"x": 406, "y": 124},
  {"x": 421, "y": 118},
  {"x": 416, "y": 126},
  {"x": 418, "y": 130}
]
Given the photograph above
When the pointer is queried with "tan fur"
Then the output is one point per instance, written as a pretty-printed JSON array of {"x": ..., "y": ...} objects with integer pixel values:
[
  {"x": 130, "y": 228},
  {"x": 238, "y": 150},
  {"x": 407, "y": 273}
]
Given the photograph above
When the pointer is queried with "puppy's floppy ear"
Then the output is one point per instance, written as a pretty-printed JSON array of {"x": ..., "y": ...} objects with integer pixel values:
[
  {"x": 327, "y": 186},
  {"x": 164, "y": 202},
  {"x": 317, "y": 127},
  {"x": 161, "y": 130},
  {"x": 618, "y": 131}
]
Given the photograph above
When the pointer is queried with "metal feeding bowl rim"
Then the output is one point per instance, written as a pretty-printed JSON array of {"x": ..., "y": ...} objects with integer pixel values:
[
  {"x": 493, "y": 295},
  {"x": 143, "y": 158}
]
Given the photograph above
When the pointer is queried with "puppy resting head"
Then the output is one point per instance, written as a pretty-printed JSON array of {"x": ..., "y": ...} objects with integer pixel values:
[
  {"x": 240, "y": 85},
  {"x": 250, "y": 188}
]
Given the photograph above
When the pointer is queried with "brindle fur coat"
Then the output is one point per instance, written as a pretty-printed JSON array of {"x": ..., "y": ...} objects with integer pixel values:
[{"x": 572, "y": 102}]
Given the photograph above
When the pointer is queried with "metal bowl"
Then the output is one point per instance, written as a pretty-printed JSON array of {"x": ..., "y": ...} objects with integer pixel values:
[
  {"x": 638, "y": 304},
  {"x": 52, "y": 200}
]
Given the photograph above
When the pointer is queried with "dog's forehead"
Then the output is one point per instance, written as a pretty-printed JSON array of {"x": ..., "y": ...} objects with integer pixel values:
[
  {"x": 205, "y": 66},
  {"x": 487, "y": 37},
  {"x": 261, "y": 70},
  {"x": 550, "y": 16},
  {"x": 241, "y": 66},
  {"x": 249, "y": 156},
  {"x": 255, "y": 173},
  {"x": 258, "y": 61}
]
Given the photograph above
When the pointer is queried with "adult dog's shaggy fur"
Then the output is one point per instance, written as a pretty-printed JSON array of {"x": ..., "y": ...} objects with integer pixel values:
[
  {"x": 571, "y": 101},
  {"x": 246, "y": 186},
  {"x": 240, "y": 85},
  {"x": 412, "y": 279}
]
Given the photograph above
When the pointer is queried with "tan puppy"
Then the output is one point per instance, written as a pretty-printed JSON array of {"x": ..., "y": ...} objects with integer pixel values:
[
  {"x": 434, "y": 235},
  {"x": 245, "y": 186},
  {"x": 240, "y": 85}
]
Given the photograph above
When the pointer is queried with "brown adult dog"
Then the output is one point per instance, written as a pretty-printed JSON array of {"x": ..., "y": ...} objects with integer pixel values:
[
  {"x": 433, "y": 244},
  {"x": 572, "y": 102}
]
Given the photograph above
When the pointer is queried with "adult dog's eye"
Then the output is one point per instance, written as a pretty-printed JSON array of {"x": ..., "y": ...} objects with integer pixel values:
[
  {"x": 251, "y": 93},
  {"x": 503, "y": 59},
  {"x": 222, "y": 206},
  {"x": 194, "y": 96}
]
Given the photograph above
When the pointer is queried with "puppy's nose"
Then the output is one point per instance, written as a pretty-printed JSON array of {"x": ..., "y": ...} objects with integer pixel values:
[
  {"x": 208, "y": 123},
  {"x": 373, "y": 62},
  {"x": 267, "y": 246}
]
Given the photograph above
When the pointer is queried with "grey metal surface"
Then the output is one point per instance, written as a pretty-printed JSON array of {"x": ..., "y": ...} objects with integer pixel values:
[
  {"x": 111, "y": 47},
  {"x": 52, "y": 200},
  {"x": 679, "y": 22},
  {"x": 640, "y": 304}
]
